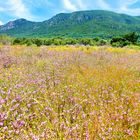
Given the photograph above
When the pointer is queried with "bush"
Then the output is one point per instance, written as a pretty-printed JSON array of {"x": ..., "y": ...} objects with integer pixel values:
[
  {"x": 125, "y": 40},
  {"x": 59, "y": 41},
  {"x": 132, "y": 37},
  {"x": 5, "y": 40},
  {"x": 29, "y": 43},
  {"x": 85, "y": 41},
  {"x": 47, "y": 42},
  {"x": 120, "y": 44},
  {"x": 102, "y": 42}
]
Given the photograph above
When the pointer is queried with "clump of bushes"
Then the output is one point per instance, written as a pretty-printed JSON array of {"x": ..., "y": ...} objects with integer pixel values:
[
  {"x": 131, "y": 38},
  {"x": 5, "y": 40},
  {"x": 121, "y": 41},
  {"x": 59, "y": 41}
]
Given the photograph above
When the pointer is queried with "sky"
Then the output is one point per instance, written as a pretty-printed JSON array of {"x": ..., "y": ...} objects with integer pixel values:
[{"x": 40, "y": 10}]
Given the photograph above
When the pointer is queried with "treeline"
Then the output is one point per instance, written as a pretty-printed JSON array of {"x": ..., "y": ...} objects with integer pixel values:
[
  {"x": 121, "y": 41},
  {"x": 59, "y": 41}
]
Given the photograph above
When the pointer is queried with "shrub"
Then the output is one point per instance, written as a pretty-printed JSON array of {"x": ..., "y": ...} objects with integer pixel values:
[
  {"x": 132, "y": 37},
  {"x": 125, "y": 40},
  {"x": 5, "y": 40},
  {"x": 38, "y": 42},
  {"x": 102, "y": 42}
]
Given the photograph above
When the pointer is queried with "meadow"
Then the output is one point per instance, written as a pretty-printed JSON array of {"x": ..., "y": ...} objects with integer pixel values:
[{"x": 69, "y": 93}]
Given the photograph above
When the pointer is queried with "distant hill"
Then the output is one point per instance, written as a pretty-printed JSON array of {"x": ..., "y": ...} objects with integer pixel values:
[{"x": 77, "y": 24}]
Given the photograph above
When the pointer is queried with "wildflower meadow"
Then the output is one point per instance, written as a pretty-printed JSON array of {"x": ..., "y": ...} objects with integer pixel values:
[{"x": 69, "y": 93}]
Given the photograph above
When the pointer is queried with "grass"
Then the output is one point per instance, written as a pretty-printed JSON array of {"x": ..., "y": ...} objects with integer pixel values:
[{"x": 73, "y": 93}]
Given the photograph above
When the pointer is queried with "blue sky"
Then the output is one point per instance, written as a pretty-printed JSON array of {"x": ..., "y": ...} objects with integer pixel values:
[{"x": 39, "y": 10}]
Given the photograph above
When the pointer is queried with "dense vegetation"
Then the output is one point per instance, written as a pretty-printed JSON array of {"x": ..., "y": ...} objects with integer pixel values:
[
  {"x": 84, "y": 24},
  {"x": 121, "y": 41},
  {"x": 59, "y": 41},
  {"x": 59, "y": 93},
  {"x": 131, "y": 38},
  {"x": 5, "y": 40}
]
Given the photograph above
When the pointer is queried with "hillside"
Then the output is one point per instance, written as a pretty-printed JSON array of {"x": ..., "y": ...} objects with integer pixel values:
[{"x": 77, "y": 24}]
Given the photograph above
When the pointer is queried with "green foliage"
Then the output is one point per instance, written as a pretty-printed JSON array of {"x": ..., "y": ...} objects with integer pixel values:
[
  {"x": 47, "y": 42},
  {"x": 59, "y": 41},
  {"x": 131, "y": 37},
  {"x": 38, "y": 42},
  {"x": 5, "y": 40},
  {"x": 125, "y": 40},
  {"x": 102, "y": 42},
  {"x": 29, "y": 43},
  {"x": 17, "y": 41},
  {"x": 120, "y": 41}
]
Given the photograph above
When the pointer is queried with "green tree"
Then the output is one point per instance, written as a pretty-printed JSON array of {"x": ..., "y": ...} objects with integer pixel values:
[{"x": 132, "y": 37}]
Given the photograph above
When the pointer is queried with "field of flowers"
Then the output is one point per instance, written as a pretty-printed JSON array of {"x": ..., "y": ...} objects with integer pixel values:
[{"x": 69, "y": 93}]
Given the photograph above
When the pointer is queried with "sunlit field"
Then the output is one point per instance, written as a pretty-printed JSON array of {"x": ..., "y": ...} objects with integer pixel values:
[{"x": 69, "y": 93}]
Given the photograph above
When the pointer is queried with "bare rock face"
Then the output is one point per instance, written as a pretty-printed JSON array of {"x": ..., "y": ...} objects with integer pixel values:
[
  {"x": 9, "y": 25},
  {"x": 14, "y": 24}
]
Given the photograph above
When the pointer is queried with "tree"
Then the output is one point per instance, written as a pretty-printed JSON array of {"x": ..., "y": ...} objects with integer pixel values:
[
  {"x": 125, "y": 40},
  {"x": 38, "y": 42},
  {"x": 132, "y": 37}
]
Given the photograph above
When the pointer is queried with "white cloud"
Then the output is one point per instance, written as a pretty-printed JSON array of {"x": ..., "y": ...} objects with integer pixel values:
[
  {"x": 1, "y": 23},
  {"x": 68, "y": 5},
  {"x": 16, "y": 9},
  {"x": 81, "y": 4},
  {"x": 39, "y": 3},
  {"x": 129, "y": 11},
  {"x": 103, "y": 4},
  {"x": 127, "y": 2},
  {"x": 73, "y": 5},
  {"x": 124, "y": 7},
  {"x": 19, "y": 9}
]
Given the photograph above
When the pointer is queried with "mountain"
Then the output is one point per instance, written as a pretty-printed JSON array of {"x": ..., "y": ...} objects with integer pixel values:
[
  {"x": 20, "y": 27},
  {"x": 77, "y": 24}
]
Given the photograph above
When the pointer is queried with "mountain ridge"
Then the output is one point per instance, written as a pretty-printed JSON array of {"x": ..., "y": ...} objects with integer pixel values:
[{"x": 90, "y": 23}]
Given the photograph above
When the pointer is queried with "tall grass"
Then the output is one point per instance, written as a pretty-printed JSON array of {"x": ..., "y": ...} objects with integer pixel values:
[{"x": 73, "y": 93}]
